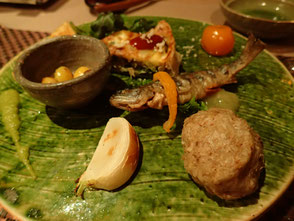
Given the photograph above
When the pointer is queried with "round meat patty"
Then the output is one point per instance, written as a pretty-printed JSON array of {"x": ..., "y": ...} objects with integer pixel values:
[{"x": 222, "y": 153}]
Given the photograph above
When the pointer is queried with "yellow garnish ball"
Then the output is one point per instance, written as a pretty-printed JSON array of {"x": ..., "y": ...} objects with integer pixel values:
[
  {"x": 48, "y": 80},
  {"x": 62, "y": 74},
  {"x": 81, "y": 71}
]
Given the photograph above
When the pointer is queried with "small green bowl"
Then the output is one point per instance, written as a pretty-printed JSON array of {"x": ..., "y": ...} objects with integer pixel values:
[
  {"x": 43, "y": 58},
  {"x": 267, "y": 19}
]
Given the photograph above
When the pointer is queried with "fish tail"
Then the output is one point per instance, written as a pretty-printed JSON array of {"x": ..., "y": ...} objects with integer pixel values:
[
  {"x": 252, "y": 48},
  {"x": 226, "y": 74}
]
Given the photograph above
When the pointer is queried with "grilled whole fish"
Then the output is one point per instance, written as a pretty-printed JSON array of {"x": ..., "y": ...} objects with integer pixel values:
[{"x": 196, "y": 84}]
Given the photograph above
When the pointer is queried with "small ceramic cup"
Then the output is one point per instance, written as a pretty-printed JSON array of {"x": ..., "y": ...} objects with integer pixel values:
[
  {"x": 42, "y": 59},
  {"x": 260, "y": 27}
]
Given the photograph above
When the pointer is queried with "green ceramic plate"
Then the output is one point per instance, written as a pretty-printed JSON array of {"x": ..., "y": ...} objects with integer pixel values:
[{"x": 62, "y": 144}]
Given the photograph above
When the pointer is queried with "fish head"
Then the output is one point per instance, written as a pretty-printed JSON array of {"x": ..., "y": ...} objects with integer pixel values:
[{"x": 132, "y": 99}]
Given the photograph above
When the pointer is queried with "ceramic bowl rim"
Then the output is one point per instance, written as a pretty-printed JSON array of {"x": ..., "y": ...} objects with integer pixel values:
[
  {"x": 232, "y": 11},
  {"x": 41, "y": 86}
]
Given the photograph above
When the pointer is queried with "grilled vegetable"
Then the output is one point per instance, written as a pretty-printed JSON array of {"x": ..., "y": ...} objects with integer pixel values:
[{"x": 115, "y": 159}]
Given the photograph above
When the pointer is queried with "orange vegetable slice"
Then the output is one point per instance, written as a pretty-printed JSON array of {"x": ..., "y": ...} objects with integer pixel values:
[{"x": 171, "y": 94}]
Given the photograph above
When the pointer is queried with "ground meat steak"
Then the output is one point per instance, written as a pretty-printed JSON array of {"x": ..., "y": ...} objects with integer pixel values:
[{"x": 222, "y": 153}]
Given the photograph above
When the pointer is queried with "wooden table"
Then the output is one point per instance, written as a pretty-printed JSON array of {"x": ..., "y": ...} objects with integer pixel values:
[{"x": 39, "y": 21}]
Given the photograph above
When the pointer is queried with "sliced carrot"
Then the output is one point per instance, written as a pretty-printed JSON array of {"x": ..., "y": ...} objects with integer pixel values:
[{"x": 171, "y": 94}]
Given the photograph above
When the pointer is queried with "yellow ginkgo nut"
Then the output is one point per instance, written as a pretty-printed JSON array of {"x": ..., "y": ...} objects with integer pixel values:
[{"x": 81, "y": 71}]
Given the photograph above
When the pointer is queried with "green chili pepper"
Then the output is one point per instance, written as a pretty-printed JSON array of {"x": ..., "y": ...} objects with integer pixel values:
[{"x": 9, "y": 101}]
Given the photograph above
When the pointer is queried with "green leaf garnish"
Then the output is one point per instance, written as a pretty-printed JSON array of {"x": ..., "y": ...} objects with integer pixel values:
[
  {"x": 142, "y": 25},
  {"x": 105, "y": 24}
]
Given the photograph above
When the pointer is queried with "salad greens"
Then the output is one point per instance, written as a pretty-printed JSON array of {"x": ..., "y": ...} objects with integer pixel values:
[
  {"x": 192, "y": 107},
  {"x": 107, "y": 23},
  {"x": 142, "y": 25}
]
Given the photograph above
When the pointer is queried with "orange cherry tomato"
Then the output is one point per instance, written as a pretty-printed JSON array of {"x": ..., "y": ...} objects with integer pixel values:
[{"x": 218, "y": 40}]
